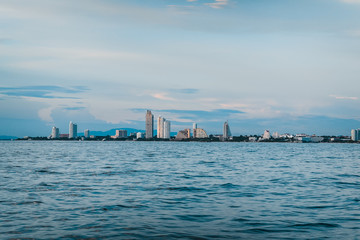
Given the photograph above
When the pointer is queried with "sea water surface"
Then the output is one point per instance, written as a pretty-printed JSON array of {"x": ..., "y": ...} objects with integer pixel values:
[{"x": 185, "y": 190}]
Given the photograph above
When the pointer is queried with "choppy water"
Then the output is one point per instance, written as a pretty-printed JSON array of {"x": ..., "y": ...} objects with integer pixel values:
[{"x": 167, "y": 190}]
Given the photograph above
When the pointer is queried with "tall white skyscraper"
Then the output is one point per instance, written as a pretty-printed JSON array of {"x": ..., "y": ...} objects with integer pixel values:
[
  {"x": 160, "y": 127},
  {"x": 149, "y": 125},
  {"x": 55, "y": 133},
  {"x": 166, "y": 129},
  {"x": 227, "y": 132},
  {"x": 72, "y": 130}
]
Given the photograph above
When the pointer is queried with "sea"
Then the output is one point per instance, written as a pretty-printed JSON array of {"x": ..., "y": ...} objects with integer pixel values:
[{"x": 179, "y": 190}]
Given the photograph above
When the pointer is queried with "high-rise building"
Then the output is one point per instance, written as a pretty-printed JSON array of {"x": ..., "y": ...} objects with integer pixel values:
[
  {"x": 72, "y": 130},
  {"x": 87, "y": 133},
  {"x": 121, "y": 134},
  {"x": 194, "y": 130},
  {"x": 227, "y": 132},
  {"x": 149, "y": 125},
  {"x": 355, "y": 134},
  {"x": 167, "y": 129},
  {"x": 55, "y": 133},
  {"x": 160, "y": 127}
]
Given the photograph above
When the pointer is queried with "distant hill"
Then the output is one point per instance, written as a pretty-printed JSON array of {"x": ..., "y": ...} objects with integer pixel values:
[{"x": 4, "y": 137}]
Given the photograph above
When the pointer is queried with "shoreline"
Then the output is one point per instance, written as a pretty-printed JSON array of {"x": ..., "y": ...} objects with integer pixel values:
[{"x": 104, "y": 139}]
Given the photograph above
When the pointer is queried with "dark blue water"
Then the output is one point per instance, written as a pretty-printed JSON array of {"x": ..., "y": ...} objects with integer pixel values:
[{"x": 168, "y": 190}]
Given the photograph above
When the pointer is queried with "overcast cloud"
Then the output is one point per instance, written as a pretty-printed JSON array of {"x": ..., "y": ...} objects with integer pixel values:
[{"x": 249, "y": 62}]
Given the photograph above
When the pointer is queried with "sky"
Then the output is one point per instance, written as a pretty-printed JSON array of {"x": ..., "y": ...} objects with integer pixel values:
[{"x": 285, "y": 66}]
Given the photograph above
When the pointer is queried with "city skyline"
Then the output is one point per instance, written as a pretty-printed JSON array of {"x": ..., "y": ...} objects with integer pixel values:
[
  {"x": 291, "y": 66},
  {"x": 163, "y": 132}
]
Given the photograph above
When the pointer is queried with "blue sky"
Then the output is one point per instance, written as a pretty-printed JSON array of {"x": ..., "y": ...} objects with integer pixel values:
[{"x": 287, "y": 66}]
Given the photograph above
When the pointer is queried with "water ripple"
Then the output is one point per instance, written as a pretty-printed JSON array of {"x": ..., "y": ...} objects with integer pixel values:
[{"x": 189, "y": 190}]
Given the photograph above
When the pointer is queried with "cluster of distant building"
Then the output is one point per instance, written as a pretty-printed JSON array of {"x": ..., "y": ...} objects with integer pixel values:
[
  {"x": 164, "y": 132},
  {"x": 163, "y": 129},
  {"x": 297, "y": 138},
  {"x": 55, "y": 133},
  {"x": 73, "y": 134}
]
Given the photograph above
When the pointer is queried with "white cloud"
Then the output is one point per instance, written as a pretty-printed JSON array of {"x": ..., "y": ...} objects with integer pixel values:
[
  {"x": 78, "y": 61},
  {"x": 180, "y": 10},
  {"x": 344, "y": 97},
  {"x": 70, "y": 53},
  {"x": 209, "y": 100},
  {"x": 351, "y": 1},
  {"x": 354, "y": 33},
  {"x": 238, "y": 106},
  {"x": 58, "y": 13},
  {"x": 162, "y": 96},
  {"x": 45, "y": 114},
  {"x": 218, "y": 4}
]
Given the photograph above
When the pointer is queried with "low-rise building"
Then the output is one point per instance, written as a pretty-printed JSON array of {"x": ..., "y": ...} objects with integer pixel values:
[
  {"x": 140, "y": 135},
  {"x": 200, "y": 133},
  {"x": 310, "y": 139},
  {"x": 266, "y": 135},
  {"x": 183, "y": 134}
]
